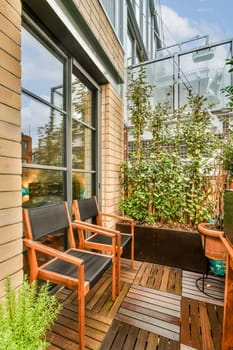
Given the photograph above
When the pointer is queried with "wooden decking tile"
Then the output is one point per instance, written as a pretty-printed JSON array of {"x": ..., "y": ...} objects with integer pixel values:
[
  {"x": 159, "y": 277},
  {"x": 201, "y": 324},
  {"x": 190, "y": 290},
  {"x": 126, "y": 337},
  {"x": 155, "y": 311}
]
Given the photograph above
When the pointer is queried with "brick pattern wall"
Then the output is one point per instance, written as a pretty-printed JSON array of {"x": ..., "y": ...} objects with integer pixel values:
[
  {"x": 112, "y": 150},
  {"x": 112, "y": 133},
  {"x": 10, "y": 147},
  {"x": 94, "y": 15}
]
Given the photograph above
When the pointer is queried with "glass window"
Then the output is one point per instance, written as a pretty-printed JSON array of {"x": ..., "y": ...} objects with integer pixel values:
[
  {"x": 115, "y": 10},
  {"x": 58, "y": 145},
  {"x": 43, "y": 127},
  {"x": 82, "y": 130},
  {"x": 43, "y": 124},
  {"x": 83, "y": 136},
  {"x": 42, "y": 71}
]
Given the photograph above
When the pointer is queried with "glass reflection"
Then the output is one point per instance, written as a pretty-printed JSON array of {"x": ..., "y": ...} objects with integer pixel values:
[
  {"x": 42, "y": 133},
  {"x": 206, "y": 72},
  {"x": 42, "y": 187},
  {"x": 161, "y": 77},
  {"x": 82, "y": 185},
  {"x": 42, "y": 72},
  {"x": 81, "y": 134},
  {"x": 81, "y": 147},
  {"x": 81, "y": 101}
]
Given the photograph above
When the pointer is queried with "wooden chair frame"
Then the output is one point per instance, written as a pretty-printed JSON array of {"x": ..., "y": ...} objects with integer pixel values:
[
  {"x": 58, "y": 277},
  {"x": 98, "y": 215}
]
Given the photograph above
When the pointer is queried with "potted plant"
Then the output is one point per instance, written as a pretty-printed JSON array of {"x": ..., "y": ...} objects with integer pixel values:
[
  {"x": 26, "y": 315},
  {"x": 168, "y": 184}
]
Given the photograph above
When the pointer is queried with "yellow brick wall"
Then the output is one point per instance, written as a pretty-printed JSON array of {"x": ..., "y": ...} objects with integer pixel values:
[
  {"x": 10, "y": 148},
  {"x": 94, "y": 15},
  {"x": 112, "y": 150},
  {"x": 112, "y": 117}
]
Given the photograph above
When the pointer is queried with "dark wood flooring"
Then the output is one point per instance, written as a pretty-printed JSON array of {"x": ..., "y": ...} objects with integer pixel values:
[{"x": 159, "y": 307}]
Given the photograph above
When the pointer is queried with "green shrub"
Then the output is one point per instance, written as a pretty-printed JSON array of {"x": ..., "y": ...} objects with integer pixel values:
[
  {"x": 169, "y": 182},
  {"x": 26, "y": 315}
]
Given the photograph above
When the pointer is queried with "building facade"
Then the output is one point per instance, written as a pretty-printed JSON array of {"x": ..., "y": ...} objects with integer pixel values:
[{"x": 62, "y": 75}]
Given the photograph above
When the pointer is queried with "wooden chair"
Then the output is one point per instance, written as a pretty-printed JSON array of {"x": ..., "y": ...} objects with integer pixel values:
[
  {"x": 76, "y": 269},
  {"x": 85, "y": 209}
]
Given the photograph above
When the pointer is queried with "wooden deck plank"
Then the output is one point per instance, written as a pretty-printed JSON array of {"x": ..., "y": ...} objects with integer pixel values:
[
  {"x": 155, "y": 325},
  {"x": 215, "y": 317},
  {"x": 195, "y": 324},
  {"x": 131, "y": 339},
  {"x": 165, "y": 278},
  {"x": 152, "y": 340},
  {"x": 167, "y": 344},
  {"x": 120, "y": 338},
  {"x": 141, "y": 339},
  {"x": 109, "y": 338},
  {"x": 158, "y": 277},
  {"x": 185, "y": 335},
  {"x": 141, "y": 309},
  {"x": 116, "y": 305},
  {"x": 205, "y": 327},
  {"x": 146, "y": 303}
]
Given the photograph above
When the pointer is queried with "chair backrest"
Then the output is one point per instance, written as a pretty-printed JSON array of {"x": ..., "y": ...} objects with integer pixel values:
[
  {"x": 45, "y": 220},
  {"x": 87, "y": 208}
]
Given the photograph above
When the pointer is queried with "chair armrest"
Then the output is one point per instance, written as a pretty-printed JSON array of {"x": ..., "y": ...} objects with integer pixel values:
[
  {"x": 119, "y": 217},
  {"x": 98, "y": 227},
  {"x": 95, "y": 228},
  {"x": 122, "y": 218},
  {"x": 52, "y": 252}
]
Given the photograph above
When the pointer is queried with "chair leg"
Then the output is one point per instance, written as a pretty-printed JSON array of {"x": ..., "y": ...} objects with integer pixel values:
[
  {"x": 132, "y": 252},
  {"x": 118, "y": 272},
  {"x": 113, "y": 278},
  {"x": 81, "y": 312}
]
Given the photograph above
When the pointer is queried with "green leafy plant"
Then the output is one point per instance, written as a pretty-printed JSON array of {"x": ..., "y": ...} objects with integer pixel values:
[
  {"x": 170, "y": 182},
  {"x": 26, "y": 315}
]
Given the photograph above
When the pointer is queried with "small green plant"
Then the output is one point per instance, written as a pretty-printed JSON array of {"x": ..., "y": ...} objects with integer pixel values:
[{"x": 26, "y": 315}]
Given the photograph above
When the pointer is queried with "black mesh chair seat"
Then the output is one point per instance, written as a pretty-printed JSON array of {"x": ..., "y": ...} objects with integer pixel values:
[
  {"x": 95, "y": 266},
  {"x": 105, "y": 240}
]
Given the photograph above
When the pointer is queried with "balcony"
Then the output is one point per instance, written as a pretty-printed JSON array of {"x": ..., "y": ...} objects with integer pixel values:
[{"x": 159, "y": 307}]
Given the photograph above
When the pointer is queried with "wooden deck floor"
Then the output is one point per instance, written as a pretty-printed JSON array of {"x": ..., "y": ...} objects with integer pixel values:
[{"x": 159, "y": 307}]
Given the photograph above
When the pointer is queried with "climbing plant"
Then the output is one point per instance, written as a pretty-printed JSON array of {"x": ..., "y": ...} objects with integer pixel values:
[{"x": 168, "y": 182}]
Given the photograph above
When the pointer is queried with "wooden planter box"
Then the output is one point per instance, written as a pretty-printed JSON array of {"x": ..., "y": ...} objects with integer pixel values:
[{"x": 181, "y": 249}]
